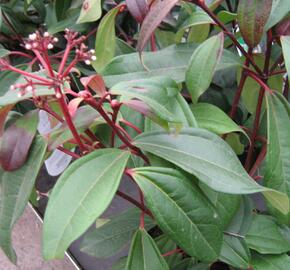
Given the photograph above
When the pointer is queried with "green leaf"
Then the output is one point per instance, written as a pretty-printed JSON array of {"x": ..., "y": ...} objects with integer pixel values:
[
  {"x": 252, "y": 17},
  {"x": 156, "y": 93},
  {"x": 277, "y": 174},
  {"x": 181, "y": 211},
  {"x": 171, "y": 62},
  {"x": 16, "y": 141},
  {"x": 235, "y": 252},
  {"x": 85, "y": 117},
  {"x": 61, "y": 8},
  {"x": 279, "y": 10},
  {"x": 144, "y": 253},
  {"x": 210, "y": 159},
  {"x": 265, "y": 237},
  {"x": 234, "y": 142},
  {"x": 214, "y": 119},
  {"x": 80, "y": 196},
  {"x": 285, "y": 41},
  {"x": 203, "y": 64},
  {"x": 226, "y": 16},
  {"x": 106, "y": 40},
  {"x": 114, "y": 235},
  {"x": 15, "y": 190},
  {"x": 270, "y": 262},
  {"x": 91, "y": 11}
]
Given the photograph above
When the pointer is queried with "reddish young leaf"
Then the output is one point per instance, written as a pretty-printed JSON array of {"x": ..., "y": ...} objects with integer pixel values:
[
  {"x": 3, "y": 114},
  {"x": 252, "y": 18},
  {"x": 138, "y": 9},
  {"x": 154, "y": 17},
  {"x": 16, "y": 141},
  {"x": 73, "y": 106},
  {"x": 96, "y": 83},
  {"x": 283, "y": 28}
]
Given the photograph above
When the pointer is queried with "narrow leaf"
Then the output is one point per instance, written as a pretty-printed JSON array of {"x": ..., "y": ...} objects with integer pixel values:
[
  {"x": 138, "y": 9},
  {"x": 285, "y": 41},
  {"x": 181, "y": 211},
  {"x": 80, "y": 196},
  {"x": 203, "y": 64},
  {"x": 154, "y": 17},
  {"x": 210, "y": 159},
  {"x": 144, "y": 254},
  {"x": 15, "y": 190},
  {"x": 16, "y": 141},
  {"x": 252, "y": 18}
]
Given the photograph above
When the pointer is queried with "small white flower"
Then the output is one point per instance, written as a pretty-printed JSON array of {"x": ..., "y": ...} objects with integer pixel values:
[
  {"x": 55, "y": 39},
  {"x": 34, "y": 44},
  {"x": 92, "y": 51},
  {"x": 32, "y": 36},
  {"x": 12, "y": 87},
  {"x": 58, "y": 95},
  {"x": 19, "y": 95},
  {"x": 49, "y": 46},
  {"x": 46, "y": 34},
  {"x": 88, "y": 62},
  {"x": 29, "y": 88},
  {"x": 28, "y": 46},
  {"x": 94, "y": 58}
]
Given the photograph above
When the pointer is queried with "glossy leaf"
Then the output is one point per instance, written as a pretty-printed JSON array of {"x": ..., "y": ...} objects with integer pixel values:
[
  {"x": 270, "y": 262},
  {"x": 106, "y": 40},
  {"x": 277, "y": 174},
  {"x": 154, "y": 17},
  {"x": 114, "y": 235},
  {"x": 91, "y": 11},
  {"x": 285, "y": 41},
  {"x": 138, "y": 9},
  {"x": 15, "y": 190},
  {"x": 252, "y": 18},
  {"x": 16, "y": 141},
  {"x": 144, "y": 253},
  {"x": 4, "y": 111},
  {"x": 202, "y": 65},
  {"x": 265, "y": 237},
  {"x": 181, "y": 211},
  {"x": 210, "y": 159},
  {"x": 214, "y": 119},
  {"x": 235, "y": 252},
  {"x": 279, "y": 10},
  {"x": 156, "y": 93},
  {"x": 74, "y": 205}
]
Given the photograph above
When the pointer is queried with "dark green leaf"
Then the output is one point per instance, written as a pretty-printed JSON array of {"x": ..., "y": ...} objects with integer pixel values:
[
  {"x": 144, "y": 253},
  {"x": 181, "y": 211},
  {"x": 210, "y": 159},
  {"x": 81, "y": 195},
  {"x": 15, "y": 190},
  {"x": 114, "y": 235},
  {"x": 270, "y": 262}
]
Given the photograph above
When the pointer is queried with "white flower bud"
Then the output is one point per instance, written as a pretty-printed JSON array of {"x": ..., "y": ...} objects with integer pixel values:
[
  {"x": 35, "y": 44},
  {"x": 12, "y": 87},
  {"x": 28, "y": 46},
  {"x": 29, "y": 88},
  {"x": 88, "y": 62},
  {"x": 92, "y": 51},
  {"x": 49, "y": 46},
  {"x": 19, "y": 95},
  {"x": 32, "y": 36},
  {"x": 94, "y": 58},
  {"x": 55, "y": 39},
  {"x": 58, "y": 95},
  {"x": 46, "y": 34}
]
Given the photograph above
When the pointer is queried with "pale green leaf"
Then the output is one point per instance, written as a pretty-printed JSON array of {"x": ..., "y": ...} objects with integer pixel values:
[{"x": 91, "y": 11}]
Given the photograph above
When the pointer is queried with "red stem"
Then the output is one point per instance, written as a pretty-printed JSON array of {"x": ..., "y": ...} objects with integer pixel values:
[
  {"x": 153, "y": 43},
  {"x": 286, "y": 88},
  {"x": 258, "y": 161},
  {"x": 21, "y": 54},
  {"x": 142, "y": 217},
  {"x": 64, "y": 58},
  {"x": 129, "y": 124},
  {"x": 74, "y": 155},
  {"x": 172, "y": 252}
]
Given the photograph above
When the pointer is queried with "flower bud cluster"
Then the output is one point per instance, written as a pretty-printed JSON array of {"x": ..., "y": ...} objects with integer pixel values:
[
  {"x": 85, "y": 54},
  {"x": 40, "y": 41},
  {"x": 22, "y": 88}
]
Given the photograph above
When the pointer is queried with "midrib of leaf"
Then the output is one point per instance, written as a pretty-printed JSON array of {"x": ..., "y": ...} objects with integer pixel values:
[
  {"x": 237, "y": 254},
  {"x": 84, "y": 197},
  {"x": 181, "y": 210}
]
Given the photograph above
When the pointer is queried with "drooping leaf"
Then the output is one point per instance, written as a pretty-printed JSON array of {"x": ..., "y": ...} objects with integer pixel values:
[
  {"x": 285, "y": 41},
  {"x": 15, "y": 190},
  {"x": 157, "y": 13},
  {"x": 265, "y": 237},
  {"x": 106, "y": 40},
  {"x": 203, "y": 64},
  {"x": 91, "y": 11},
  {"x": 214, "y": 119},
  {"x": 80, "y": 196},
  {"x": 270, "y": 262},
  {"x": 235, "y": 252},
  {"x": 138, "y": 9},
  {"x": 277, "y": 174},
  {"x": 252, "y": 18},
  {"x": 181, "y": 211},
  {"x": 16, "y": 141},
  {"x": 144, "y": 254},
  {"x": 279, "y": 10},
  {"x": 114, "y": 235},
  {"x": 210, "y": 159},
  {"x": 156, "y": 93}
]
